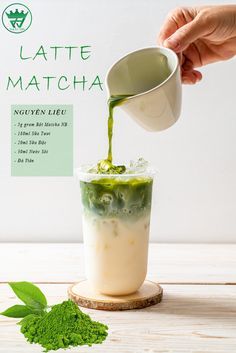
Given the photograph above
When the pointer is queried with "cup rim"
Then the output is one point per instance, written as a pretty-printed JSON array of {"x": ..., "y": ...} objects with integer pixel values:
[
  {"x": 139, "y": 50},
  {"x": 80, "y": 173}
]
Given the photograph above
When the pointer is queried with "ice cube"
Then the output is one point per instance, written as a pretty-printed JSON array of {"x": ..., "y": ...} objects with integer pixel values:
[{"x": 138, "y": 166}]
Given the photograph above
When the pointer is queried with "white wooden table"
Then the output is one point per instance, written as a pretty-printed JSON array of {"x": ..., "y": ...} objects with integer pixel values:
[{"x": 197, "y": 314}]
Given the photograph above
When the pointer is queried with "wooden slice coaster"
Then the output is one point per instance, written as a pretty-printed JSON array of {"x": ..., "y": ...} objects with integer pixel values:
[{"x": 149, "y": 294}]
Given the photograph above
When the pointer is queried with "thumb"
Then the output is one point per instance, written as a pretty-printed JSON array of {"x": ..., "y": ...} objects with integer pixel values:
[{"x": 186, "y": 35}]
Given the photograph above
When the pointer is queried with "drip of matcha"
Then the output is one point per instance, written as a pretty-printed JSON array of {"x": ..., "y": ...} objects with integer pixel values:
[{"x": 105, "y": 166}]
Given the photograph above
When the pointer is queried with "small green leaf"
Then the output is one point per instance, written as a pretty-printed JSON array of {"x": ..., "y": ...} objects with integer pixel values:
[
  {"x": 30, "y": 294},
  {"x": 17, "y": 311}
]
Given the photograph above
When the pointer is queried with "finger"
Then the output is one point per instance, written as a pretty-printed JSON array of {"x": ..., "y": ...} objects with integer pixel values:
[
  {"x": 187, "y": 34},
  {"x": 191, "y": 77},
  {"x": 167, "y": 30},
  {"x": 194, "y": 53},
  {"x": 198, "y": 75},
  {"x": 186, "y": 64},
  {"x": 173, "y": 21}
]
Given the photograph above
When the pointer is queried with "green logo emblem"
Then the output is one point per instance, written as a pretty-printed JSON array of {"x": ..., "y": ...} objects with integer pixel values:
[{"x": 16, "y": 18}]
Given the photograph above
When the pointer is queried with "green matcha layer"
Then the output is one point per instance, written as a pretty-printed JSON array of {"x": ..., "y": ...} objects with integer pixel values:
[{"x": 114, "y": 197}]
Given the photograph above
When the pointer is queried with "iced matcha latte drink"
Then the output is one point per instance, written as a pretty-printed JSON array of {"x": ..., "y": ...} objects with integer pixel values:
[{"x": 116, "y": 217}]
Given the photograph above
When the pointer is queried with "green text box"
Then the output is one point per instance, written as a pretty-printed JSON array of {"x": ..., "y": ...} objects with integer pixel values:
[{"x": 42, "y": 140}]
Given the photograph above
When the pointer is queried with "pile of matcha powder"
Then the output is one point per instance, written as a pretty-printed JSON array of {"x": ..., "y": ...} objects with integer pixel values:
[{"x": 63, "y": 325}]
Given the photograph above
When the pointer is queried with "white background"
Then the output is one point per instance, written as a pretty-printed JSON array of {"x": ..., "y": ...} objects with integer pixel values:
[{"x": 195, "y": 190}]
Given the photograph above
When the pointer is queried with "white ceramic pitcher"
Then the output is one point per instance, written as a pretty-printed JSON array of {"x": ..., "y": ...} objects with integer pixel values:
[{"x": 152, "y": 77}]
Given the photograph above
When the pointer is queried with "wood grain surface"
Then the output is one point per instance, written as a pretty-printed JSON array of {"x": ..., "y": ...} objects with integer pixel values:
[{"x": 197, "y": 313}]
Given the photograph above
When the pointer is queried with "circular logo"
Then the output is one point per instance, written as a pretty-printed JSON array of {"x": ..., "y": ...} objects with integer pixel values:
[{"x": 16, "y": 18}]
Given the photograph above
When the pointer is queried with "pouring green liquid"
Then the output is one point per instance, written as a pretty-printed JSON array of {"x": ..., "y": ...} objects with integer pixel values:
[{"x": 106, "y": 166}]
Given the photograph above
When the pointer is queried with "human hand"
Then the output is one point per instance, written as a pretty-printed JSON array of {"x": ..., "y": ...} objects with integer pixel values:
[{"x": 200, "y": 35}]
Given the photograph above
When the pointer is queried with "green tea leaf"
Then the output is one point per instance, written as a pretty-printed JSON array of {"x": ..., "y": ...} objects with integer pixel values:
[
  {"x": 30, "y": 294},
  {"x": 17, "y": 311}
]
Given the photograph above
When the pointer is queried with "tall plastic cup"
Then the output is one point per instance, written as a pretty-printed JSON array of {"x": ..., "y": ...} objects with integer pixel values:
[{"x": 116, "y": 219}]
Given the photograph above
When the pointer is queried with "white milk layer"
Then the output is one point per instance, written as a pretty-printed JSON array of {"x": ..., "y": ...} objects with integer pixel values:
[{"x": 116, "y": 253}]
